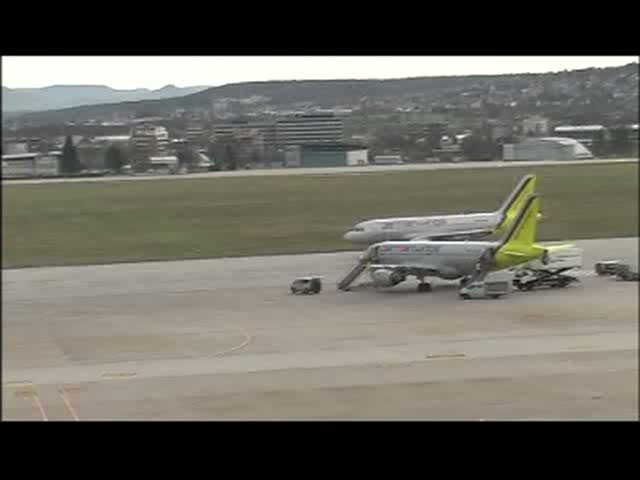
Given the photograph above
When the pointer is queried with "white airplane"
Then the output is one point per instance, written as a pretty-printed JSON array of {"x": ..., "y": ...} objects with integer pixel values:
[
  {"x": 444, "y": 227},
  {"x": 390, "y": 263}
]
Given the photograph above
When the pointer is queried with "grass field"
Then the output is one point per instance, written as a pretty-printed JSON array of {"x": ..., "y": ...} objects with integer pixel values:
[{"x": 85, "y": 223}]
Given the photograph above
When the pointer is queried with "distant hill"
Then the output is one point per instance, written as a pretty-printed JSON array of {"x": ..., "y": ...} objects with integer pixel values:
[
  {"x": 587, "y": 92},
  {"x": 58, "y": 97}
]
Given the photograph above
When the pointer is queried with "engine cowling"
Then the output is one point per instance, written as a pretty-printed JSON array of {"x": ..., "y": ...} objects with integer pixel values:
[{"x": 387, "y": 278}]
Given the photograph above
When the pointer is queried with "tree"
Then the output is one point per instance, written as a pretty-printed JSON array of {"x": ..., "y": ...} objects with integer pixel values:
[
  {"x": 230, "y": 157},
  {"x": 115, "y": 159},
  {"x": 475, "y": 147},
  {"x": 255, "y": 157},
  {"x": 212, "y": 153},
  {"x": 187, "y": 157},
  {"x": 69, "y": 162}
]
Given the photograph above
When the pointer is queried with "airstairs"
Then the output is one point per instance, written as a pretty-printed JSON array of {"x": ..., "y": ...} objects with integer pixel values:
[
  {"x": 483, "y": 268},
  {"x": 354, "y": 273}
]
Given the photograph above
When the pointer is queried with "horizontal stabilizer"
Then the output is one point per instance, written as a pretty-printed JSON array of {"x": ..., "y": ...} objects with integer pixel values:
[
  {"x": 555, "y": 248},
  {"x": 513, "y": 253}
]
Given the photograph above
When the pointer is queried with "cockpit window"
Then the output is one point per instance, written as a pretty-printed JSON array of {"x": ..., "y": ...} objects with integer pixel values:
[{"x": 358, "y": 229}]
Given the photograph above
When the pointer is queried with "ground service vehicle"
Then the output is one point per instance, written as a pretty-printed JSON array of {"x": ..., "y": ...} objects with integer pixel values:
[
  {"x": 485, "y": 289},
  {"x": 526, "y": 280},
  {"x": 307, "y": 285},
  {"x": 627, "y": 273},
  {"x": 607, "y": 267},
  {"x": 554, "y": 274}
]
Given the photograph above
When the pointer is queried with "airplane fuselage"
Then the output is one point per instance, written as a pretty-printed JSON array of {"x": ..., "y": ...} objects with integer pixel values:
[
  {"x": 447, "y": 260},
  {"x": 406, "y": 228}
]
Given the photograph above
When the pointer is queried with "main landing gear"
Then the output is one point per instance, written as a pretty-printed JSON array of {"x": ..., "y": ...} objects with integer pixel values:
[{"x": 424, "y": 287}]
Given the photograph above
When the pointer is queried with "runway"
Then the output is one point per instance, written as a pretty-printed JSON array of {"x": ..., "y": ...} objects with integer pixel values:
[
  {"x": 224, "y": 339},
  {"x": 324, "y": 171}
]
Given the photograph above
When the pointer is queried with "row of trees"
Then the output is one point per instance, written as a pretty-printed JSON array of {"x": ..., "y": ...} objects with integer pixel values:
[{"x": 70, "y": 163}]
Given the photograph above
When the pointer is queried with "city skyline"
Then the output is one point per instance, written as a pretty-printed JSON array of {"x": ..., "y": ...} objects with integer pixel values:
[{"x": 155, "y": 72}]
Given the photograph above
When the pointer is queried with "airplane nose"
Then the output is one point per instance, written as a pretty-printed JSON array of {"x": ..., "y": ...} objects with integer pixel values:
[{"x": 349, "y": 236}]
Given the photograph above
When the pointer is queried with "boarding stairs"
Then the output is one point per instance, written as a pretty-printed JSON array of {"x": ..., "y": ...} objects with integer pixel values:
[{"x": 353, "y": 274}]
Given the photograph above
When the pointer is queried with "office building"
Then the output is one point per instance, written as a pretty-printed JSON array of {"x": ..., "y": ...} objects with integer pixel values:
[
  {"x": 306, "y": 129},
  {"x": 149, "y": 141}
]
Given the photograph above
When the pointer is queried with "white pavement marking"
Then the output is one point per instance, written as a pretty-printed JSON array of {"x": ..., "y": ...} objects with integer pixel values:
[
  {"x": 67, "y": 402},
  {"x": 36, "y": 400},
  {"x": 510, "y": 346}
]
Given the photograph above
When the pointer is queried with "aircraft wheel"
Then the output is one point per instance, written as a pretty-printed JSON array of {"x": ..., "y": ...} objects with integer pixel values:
[{"x": 424, "y": 287}]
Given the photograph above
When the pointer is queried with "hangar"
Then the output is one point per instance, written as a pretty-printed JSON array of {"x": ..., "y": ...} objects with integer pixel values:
[{"x": 327, "y": 155}]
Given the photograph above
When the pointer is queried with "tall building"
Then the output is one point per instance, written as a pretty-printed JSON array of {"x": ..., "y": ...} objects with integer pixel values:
[
  {"x": 535, "y": 126},
  {"x": 195, "y": 132},
  {"x": 306, "y": 129},
  {"x": 149, "y": 141},
  {"x": 245, "y": 129},
  {"x": 302, "y": 129}
]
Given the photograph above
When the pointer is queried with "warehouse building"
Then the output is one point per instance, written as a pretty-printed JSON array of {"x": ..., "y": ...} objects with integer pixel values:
[
  {"x": 27, "y": 165},
  {"x": 592, "y": 137},
  {"x": 328, "y": 155},
  {"x": 546, "y": 148}
]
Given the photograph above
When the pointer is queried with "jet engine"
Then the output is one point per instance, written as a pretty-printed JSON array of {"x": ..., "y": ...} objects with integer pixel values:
[{"x": 387, "y": 278}]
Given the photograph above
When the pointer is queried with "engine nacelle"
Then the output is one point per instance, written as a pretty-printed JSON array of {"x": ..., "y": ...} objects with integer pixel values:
[
  {"x": 447, "y": 273},
  {"x": 387, "y": 278}
]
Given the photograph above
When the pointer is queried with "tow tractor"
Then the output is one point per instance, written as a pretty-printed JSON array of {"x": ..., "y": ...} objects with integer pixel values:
[
  {"x": 535, "y": 274},
  {"x": 306, "y": 285},
  {"x": 628, "y": 273},
  {"x": 617, "y": 269},
  {"x": 607, "y": 267}
]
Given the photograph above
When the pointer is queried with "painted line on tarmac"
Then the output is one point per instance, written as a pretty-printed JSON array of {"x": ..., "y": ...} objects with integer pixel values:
[
  {"x": 445, "y": 355},
  {"x": 244, "y": 343},
  {"x": 18, "y": 383},
  {"x": 118, "y": 375},
  {"x": 36, "y": 400},
  {"x": 33, "y": 395},
  {"x": 67, "y": 402}
]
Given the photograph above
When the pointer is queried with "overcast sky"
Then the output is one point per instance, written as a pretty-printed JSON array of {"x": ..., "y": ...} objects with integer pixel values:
[{"x": 155, "y": 72}]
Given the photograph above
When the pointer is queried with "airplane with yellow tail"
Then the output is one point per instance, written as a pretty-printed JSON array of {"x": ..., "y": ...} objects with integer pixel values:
[
  {"x": 466, "y": 226},
  {"x": 390, "y": 263}
]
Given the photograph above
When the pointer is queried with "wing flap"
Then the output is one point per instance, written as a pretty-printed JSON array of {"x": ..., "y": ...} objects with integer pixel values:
[{"x": 409, "y": 269}]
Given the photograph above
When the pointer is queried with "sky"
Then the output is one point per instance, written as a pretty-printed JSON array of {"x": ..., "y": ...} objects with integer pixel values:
[{"x": 126, "y": 72}]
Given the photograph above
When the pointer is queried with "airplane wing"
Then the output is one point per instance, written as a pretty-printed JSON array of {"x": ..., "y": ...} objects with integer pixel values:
[
  {"x": 425, "y": 270},
  {"x": 465, "y": 235}
]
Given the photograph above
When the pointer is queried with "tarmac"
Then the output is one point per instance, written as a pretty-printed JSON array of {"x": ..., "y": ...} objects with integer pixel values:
[
  {"x": 224, "y": 339},
  {"x": 355, "y": 170}
]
